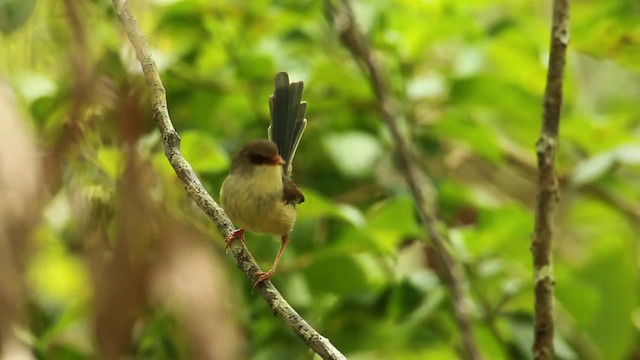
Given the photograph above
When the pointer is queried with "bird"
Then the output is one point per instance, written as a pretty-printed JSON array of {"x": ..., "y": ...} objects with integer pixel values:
[{"x": 258, "y": 195}]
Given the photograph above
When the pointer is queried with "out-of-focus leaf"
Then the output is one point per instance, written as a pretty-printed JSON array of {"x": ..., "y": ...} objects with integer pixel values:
[
  {"x": 203, "y": 152},
  {"x": 162, "y": 166},
  {"x": 505, "y": 230},
  {"x": 33, "y": 86},
  {"x": 608, "y": 30},
  {"x": 593, "y": 169},
  {"x": 110, "y": 161},
  {"x": 427, "y": 86},
  {"x": 352, "y": 214},
  {"x": 14, "y": 13},
  {"x": 252, "y": 66},
  {"x": 596, "y": 167},
  {"x": 584, "y": 307},
  {"x": 490, "y": 346},
  {"x": 316, "y": 206},
  {"x": 522, "y": 334},
  {"x": 391, "y": 221},
  {"x": 611, "y": 273},
  {"x": 344, "y": 275},
  {"x": 628, "y": 155},
  {"x": 354, "y": 153},
  {"x": 478, "y": 137},
  {"x": 58, "y": 278},
  {"x": 71, "y": 315}
]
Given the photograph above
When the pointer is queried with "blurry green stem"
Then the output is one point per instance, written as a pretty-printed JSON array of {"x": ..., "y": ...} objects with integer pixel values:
[
  {"x": 280, "y": 307},
  {"x": 341, "y": 15}
]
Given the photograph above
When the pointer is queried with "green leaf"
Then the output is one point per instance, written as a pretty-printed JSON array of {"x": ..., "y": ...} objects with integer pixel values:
[
  {"x": 593, "y": 169},
  {"x": 58, "y": 278},
  {"x": 628, "y": 155},
  {"x": 481, "y": 138},
  {"x": 203, "y": 152},
  {"x": 354, "y": 153},
  {"x": 612, "y": 329},
  {"x": 14, "y": 13},
  {"x": 583, "y": 308},
  {"x": 392, "y": 220},
  {"x": 70, "y": 316},
  {"x": 343, "y": 274},
  {"x": 316, "y": 206},
  {"x": 110, "y": 161}
]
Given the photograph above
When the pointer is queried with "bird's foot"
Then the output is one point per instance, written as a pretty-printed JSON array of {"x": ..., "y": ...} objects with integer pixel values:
[
  {"x": 235, "y": 234},
  {"x": 262, "y": 276}
]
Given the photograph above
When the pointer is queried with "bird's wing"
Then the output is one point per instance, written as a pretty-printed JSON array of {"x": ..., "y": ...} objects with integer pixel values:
[{"x": 291, "y": 194}]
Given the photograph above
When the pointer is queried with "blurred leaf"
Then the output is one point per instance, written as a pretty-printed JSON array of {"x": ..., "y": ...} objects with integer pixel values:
[
  {"x": 315, "y": 205},
  {"x": 583, "y": 308},
  {"x": 600, "y": 165},
  {"x": 608, "y": 30},
  {"x": 58, "y": 278},
  {"x": 33, "y": 86},
  {"x": 344, "y": 275},
  {"x": 354, "y": 153},
  {"x": 505, "y": 230},
  {"x": 611, "y": 273},
  {"x": 479, "y": 137},
  {"x": 110, "y": 161},
  {"x": 203, "y": 153},
  {"x": 628, "y": 155},
  {"x": 14, "y": 13},
  {"x": 392, "y": 220},
  {"x": 593, "y": 169},
  {"x": 71, "y": 315},
  {"x": 427, "y": 86}
]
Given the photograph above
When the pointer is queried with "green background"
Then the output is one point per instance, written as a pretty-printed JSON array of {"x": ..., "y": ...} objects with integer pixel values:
[{"x": 468, "y": 77}]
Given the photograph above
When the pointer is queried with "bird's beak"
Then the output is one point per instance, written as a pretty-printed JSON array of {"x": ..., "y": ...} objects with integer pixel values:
[{"x": 276, "y": 160}]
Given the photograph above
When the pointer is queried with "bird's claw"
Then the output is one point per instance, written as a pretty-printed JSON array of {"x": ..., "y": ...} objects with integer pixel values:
[
  {"x": 235, "y": 234},
  {"x": 262, "y": 276}
]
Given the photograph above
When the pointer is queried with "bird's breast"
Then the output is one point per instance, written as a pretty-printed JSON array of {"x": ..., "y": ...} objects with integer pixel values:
[{"x": 254, "y": 201}]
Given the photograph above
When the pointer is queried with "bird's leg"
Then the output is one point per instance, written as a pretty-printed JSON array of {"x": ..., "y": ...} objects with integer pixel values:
[
  {"x": 262, "y": 276},
  {"x": 235, "y": 234}
]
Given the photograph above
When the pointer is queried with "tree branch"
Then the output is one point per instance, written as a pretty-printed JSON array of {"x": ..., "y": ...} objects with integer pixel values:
[
  {"x": 424, "y": 195},
  {"x": 546, "y": 149},
  {"x": 319, "y": 344}
]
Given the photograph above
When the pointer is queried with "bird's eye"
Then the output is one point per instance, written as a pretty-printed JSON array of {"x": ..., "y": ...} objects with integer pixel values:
[{"x": 258, "y": 159}]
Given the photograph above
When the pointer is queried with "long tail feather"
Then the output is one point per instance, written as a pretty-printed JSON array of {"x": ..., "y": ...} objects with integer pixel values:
[{"x": 287, "y": 117}]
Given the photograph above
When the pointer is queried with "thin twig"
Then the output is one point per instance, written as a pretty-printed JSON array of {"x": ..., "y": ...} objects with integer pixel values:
[
  {"x": 546, "y": 148},
  {"x": 341, "y": 15},
  {"x": 197, "y": 192}
]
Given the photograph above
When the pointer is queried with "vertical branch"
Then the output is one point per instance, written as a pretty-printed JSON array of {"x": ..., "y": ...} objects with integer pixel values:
[
  {"x": 341, "y": 15},
  {"x": 245, "y": 262},
  {"x": 546, "y": 148}
]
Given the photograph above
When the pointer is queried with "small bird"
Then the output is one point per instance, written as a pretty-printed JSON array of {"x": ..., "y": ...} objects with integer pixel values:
[{"x": 259, "y": 195}]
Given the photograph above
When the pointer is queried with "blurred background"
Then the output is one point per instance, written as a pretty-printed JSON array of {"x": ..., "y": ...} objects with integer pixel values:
[{"x": 102, "y": 254}]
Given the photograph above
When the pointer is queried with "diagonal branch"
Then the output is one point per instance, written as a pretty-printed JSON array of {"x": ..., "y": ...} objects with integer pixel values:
[
  {"x": 546, "y": 148},
  {"x": 319, "y": 344},
  {"x": 341, "y": 15}
]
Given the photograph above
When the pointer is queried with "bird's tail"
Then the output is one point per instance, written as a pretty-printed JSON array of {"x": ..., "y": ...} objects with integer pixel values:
[{"x": 287, "y": 117}]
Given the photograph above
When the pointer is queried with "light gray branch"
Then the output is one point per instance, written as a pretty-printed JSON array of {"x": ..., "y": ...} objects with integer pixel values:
[{"x": 280, "y": 307}]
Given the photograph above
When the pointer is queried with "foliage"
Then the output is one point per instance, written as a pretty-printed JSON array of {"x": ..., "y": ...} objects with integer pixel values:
[{"x": 469, "y": 78}]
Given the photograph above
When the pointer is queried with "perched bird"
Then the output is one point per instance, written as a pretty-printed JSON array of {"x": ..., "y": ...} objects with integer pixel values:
[{"x": 258, "y": 195}]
